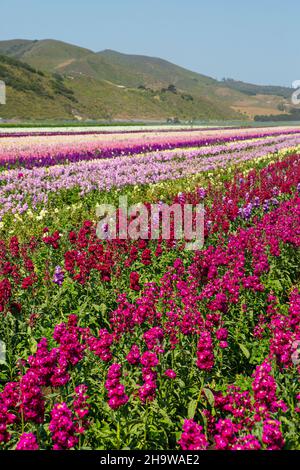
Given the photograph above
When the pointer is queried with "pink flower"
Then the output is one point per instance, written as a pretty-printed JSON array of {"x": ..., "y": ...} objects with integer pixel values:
[
  {"x": 27, "y": 442},
  {"x": 170, "y": 373},
  {"x": 62, "y": 427},
  {"x": 248, "y": 442},
  {"x": 272, "y": 435},
  {"x": 149, "y": 359},
  {"x": 133, "y": 357},
  {"x": 192, "y": 437},
  {"x": 205, "y": 354},
  {"x": 115, "y": 390}
]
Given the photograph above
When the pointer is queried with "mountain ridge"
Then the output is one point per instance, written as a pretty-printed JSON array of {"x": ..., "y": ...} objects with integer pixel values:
[{"x": 164, "y": 88}]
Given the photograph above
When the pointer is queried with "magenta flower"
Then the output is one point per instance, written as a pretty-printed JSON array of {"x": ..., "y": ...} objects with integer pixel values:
[
  {"x": 192, "y": 437},
  {"x": 170, "y": 373},
  {"x": 27, "y": 442}
]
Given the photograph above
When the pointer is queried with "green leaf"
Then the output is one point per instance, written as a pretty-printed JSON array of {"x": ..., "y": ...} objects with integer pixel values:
[
  {"x": 103, "y": 308},
  {"x": 33, "y": 345},
  {"x": 192, "y": 409},
  {"x": 244, "y": 350},
  {"x": 209, "y": 395}
]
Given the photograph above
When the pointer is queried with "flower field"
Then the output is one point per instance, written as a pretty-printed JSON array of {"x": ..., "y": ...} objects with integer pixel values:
[{"x": 142, "y": 344}]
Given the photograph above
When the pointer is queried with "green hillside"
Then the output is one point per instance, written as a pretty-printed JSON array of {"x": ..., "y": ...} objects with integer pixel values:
[
  {"x": 32, "y": 94},
  {"x": 110, "y": 84}
]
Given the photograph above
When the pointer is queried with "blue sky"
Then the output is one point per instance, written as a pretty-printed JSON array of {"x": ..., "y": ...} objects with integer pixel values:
[{"x": 255, "y": 41}]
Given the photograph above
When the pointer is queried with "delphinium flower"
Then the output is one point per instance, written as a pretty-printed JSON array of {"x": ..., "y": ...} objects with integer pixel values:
[
  {"x": 58, "y": 277},
  {"x": 192, "y": 437},
  {"x": 115, "y": 390},
  {"x": 27, "y": 441},
  {"x": 62, "y": 427}
]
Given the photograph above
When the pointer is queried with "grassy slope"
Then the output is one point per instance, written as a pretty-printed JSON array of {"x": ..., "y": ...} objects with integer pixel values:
[
  {"x": 128, "y": 71},
  {"x": 94, "y": 78},
  {"x": 126, "y": 103},
  {"x": 31, "y": 94}
]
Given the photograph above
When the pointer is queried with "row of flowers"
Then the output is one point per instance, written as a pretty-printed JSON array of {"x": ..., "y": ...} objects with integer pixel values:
[
  {"x": 31, "y": 152},
  {"x": 81, "y": 253},
  {"x": 186, "y": 329},
  {"x": 15, "y": 132},
  {"x": 209, "y": 340},
  {"x": 29, "y": 189}
]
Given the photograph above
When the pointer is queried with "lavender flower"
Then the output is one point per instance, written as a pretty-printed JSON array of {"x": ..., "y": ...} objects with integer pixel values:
[{"x": 58, "y": 277}]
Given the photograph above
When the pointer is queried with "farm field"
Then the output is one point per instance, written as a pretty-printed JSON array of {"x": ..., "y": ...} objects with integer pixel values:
[{"x": 119, "y": 343}]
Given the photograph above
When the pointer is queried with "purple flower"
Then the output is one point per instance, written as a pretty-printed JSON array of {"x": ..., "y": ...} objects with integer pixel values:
[{"x": 58, "y": 277}]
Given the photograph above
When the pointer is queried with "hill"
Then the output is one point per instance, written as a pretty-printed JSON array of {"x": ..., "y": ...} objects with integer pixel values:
[
  {"x": 33, "y": 94},
  {"x": 252, "y": 90},
  {"x": 111, "y": 84}
]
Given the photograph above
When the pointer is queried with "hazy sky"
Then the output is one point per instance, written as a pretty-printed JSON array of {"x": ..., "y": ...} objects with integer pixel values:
[{"x": 254, "y": 40}]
